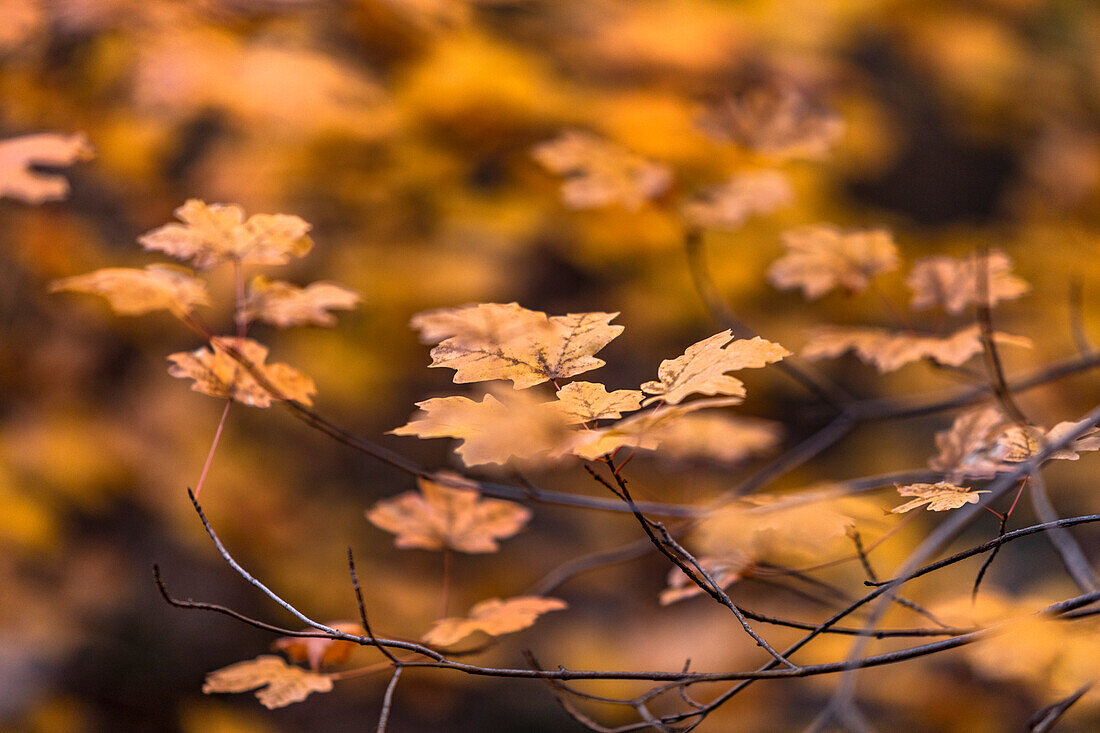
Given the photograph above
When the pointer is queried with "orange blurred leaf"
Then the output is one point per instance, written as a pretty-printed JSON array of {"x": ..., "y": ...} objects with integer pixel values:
[
  {"x": 952, "y": 283},
  {"x": 822, "y": 257},
  {"x": 280, "y": 683},
  {"x": 218, "y": 374},
  {"x": 319, "y": 651},
  {"x": 702, "y": 367},
  {"x": 644, "y": 431},
  {"x": 890, "y": 350},
  {"x": 725, "y": 571},
  {"x": 18, "y": 155},
  {"x": 132, "y": 292},
  {"x": 493, "y": 617},
  {"x": 938, "y": 497},
  {"x": 285, "y": 305},
  {"x": 728, "y": 205}
]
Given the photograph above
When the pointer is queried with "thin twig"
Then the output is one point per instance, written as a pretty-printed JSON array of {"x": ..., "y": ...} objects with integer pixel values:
[
  {"x": 992, "y": 357},
  {"x": 362, "y": 607},
  {"x": 1045, "y": 719},
  {"x": 387, "y": 700}
]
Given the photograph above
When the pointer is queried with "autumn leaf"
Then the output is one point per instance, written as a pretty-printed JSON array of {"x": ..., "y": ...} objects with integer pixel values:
[
  {"x": 285, "y": 305},
  {"x": 598, "y": 173},
  {"x": 643, "y": 431},
  {"x": 20, "y": 155},
  {"x": 504, "y": 425},
  {"x": 702, "y": 368},
  {"x": 719, "y": 438},
  {"x": 493, "y": 617},
  {"x": 280, "y": 684},
  {"x": 510, "y": 342},
  {"x": 729, "y": 205},
  {"x": 583, "y": 402},
  {"x": 493, "y": 323},
  {"x": 440, "y": 516},
  {"x": 216, "y": 233},
  {"x": 822, "y": 257},
  {"x": 963, "y": 449},
  {"x": 938, "y": 497},
  {"x": 952, "y": 283},
  {"x": 320, "y": 651},
  {"x": 890, "y": 350},
  {"x": 724, "y": 571},
  {"x": 218, "y": 374},
  {"x": 132, "y": 292}
]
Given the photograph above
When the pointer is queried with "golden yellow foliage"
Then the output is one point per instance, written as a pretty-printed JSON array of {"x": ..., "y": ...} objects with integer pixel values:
[
  {"x": 20, "y": 180},
  {"x": 822, "y": 257},
  {"x": 953, "y": 283},
  {"x": 938, "y": 497},
  {"x": 132, "y": 292},
  {"x": 493, "y": 617},
  {"x": 728, "y": 205},
  {"x": 644, "y": 431},
  {"x": 702, "y": 368},
  {"x": 280, "y": 683},
  {"x": 890, "y": 350},
  {"x": 583, "y": 402},
  {"x": 218, "y": 374},
  {"x": 285, "y": 305}
]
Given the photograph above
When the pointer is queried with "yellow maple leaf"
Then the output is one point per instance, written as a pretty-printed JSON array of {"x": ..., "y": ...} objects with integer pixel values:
[
  {"x": 724, "y": 570},
  {"x": 504, "y": 425},
  {"x": 583, "y": 402},
  {"x": 493, "y": 617},
  {"x": 440, "y": 516},
  {"x": 939, "y": 497},
  {"x": 216, "y": 233},
  {"x": 598, "y": 173},
  {"x": 285, "y": 305},
  {"x": 132, "y": 292},
  {"x": 712, "y": 437},
  {"x": 494, "y": 323},
  {"x": 280, "y": 683},
  {"x": 702, "y": 367},
  {"x": 527, "y": 347},
  {"x": 218, "y": 374},
  {"x": 728, "y": 205},
  {"x": 890, "y": 350},
  {"x": 953, "y": 283},
  {"x": 643, "y": 431},
  {"x": 822, "y": 257},
  {"x": 319, "y": 651},
  {"x": 19, "y": 155}
]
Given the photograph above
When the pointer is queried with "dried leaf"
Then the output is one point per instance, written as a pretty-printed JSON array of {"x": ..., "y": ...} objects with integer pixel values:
[
  {"x": 643, "y": 431},
  {"x": 952, "y": 283},
  {"x": 599, "y": 173},
  {"x": 822, "y": 257},
  {"x": 938, "y": 497},
  {"x": 702, "y": 367},
  {"x": 508, "y": 425},
  {"x": 440, "y": 516},
  {"x": 280, "y": 683},
  {"x": 285, "y": 305},
  {"x": 216, "y": 233},
  {"x": 510, "y": 342},
  {"x": 218, "y": 374},
  {"x": 132, "y": 292},
  {"x": 774, "y": 118},
  {"x": 890, "y": 350},
  {"x": 729, "y": 205},
  {"x": 964, "y": 447},
  {"x": 19, "y": 157},
  {"x": 720, "y": 438},
  {"x": 493, "y": 617},
  {"x": 320, "y": 651},
  {"x": 725, "y": 571},
  {"x": 493, "y": 323},
  {"x": 583, "y": 402}
]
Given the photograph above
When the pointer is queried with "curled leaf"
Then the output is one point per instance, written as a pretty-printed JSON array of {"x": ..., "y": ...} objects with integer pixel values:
[
  {"x": 729, "y": 205},
  {"x": 493, "y": 617},
  {"x": 320, "y": 651},
  {"x": 280, "y": 684},
  {"x": 285, "y": 305},
  {"x": 822, "y": 257},
  {"x": 583, "y": 402},
  {"x": 598, "y": 173},
  {"x": 218, "y": 374},
  {"x": 20, "y": 155},
  {"x": 953, "y": 283},
  {"x": 132, "y": 292},
  {"x": 440, "y": 516},
  {"x": 890, "y": 350},
  {"x": 938, "y": 497}
]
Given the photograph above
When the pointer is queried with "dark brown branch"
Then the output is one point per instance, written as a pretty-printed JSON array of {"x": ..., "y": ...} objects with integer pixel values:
[
  {"x": 362, "y": 607},
  {"x": 991, "y": 355}
]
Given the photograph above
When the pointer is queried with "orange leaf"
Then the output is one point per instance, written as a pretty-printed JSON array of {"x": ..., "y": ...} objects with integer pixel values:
[
  {"x": 822, "y": 257},
  {"x": 598, "y": 173},
  {"x": 725, "y": 571},
  {"x": 729, "y": 205},
  {"x": 216, "y": 233},
  {"x": 702, "y": 367},
  {"x": 132, "y": 292},
  {"x": 644, "y": 431},
  {"x": 441, "y": 516},
  {"x": 952, "y": 283},
  {"x": 890, "y": 350},
  {"x": 280, "y": 683},
  {"x": 218, "y": 374},
  {"x": 285, "y": 305},
  {"x": 583, "y": 402},
  {"x": 938, "y": 497},
  {"x": 19, "y": 155},
  {"x": 493, "y": 617},
  {"x": 320, "y": 651}
]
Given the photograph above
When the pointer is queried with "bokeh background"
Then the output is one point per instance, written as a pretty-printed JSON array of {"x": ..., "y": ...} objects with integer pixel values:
[{"x": 402, "y": 129}]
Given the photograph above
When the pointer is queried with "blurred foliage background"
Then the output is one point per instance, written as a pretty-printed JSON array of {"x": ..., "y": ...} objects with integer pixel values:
[{"x": 402, "y": 129}]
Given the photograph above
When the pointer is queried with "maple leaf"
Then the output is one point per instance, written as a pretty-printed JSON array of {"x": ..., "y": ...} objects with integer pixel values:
[
  {"x": 598, "y": 173},
  {"x": 953, "y": 283},
  {"x": 524, "y": 346},
  {"x": 216, "y": 233},
  {"x": 938, "y": 497},
  {"x": 440, "y": 516},
  {"x": 702, "y": 367},
  {"x": 890, "y": 350},
  {"x": 821, "y": 257},
  {"x": 643, "y": 431},
  {"x": 218, "y": 374},
  {"x": 19, "y": 155},
  {"x": 774, "y": 118},
  {"x": 725, "y": 571},
  {"x": 494, "y": 323},
  {"x": 280, "y": 683},
  {"x": 963, "y": 449},
  {"x": 729, "y": 205},
  {"x": 493, "y": 617},
  {"x": 720, "y": 438},
  {"x": 583, "y": 402},
  {"x": 132, "y": 292},
  {"x": 504, "y": 425},
  {"x": 319, "y": 651},
  {"x": 285, "y": 305}
]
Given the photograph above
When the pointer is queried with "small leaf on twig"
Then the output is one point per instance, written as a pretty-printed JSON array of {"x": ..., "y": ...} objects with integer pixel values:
[
  {"x": 280, "y": 684},
  {"x": 822, "y": 257},
  {"x": 953, "y": 283},
  {"x": 19, "y": 155},
  {"x": 938, "y": 497},
  {"x": 890, "y": 350},
  {"x": 285, "y": 305},
  {"x": 493, "y": 617},
  {"x": 320, "y": 651},
  {"x": 218, "y": 374},
  {"x": 727, "y": 206},
  {"x": 583, "y": 402},
  {"x": 132, "y": 292}
]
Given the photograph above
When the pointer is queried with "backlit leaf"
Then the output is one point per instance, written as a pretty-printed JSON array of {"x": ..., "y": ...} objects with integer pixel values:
[
  {"x": 285, "y": 305},
  {"x": 953, "y": 285},
  {"x": 583, "y": 402},
  {"x": 725, "y": 571},
  {"x": 729, "y": 205},
  {"x": 18, "y": 155},
  {"x": 440, "y": 516},
  {"x": 822, "y": 257},
  {"x": 280, "y": 683},
  {"x": 493, "y": 617},
  {"x": 938, "y": 497},
  {"x": 218, "y": 374},
  {"x": 319, "y": 651},
  {"x": 890, "y": 350},
  {"x": 132, "y": 292},
  {"x": 643, "y": 431}
]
